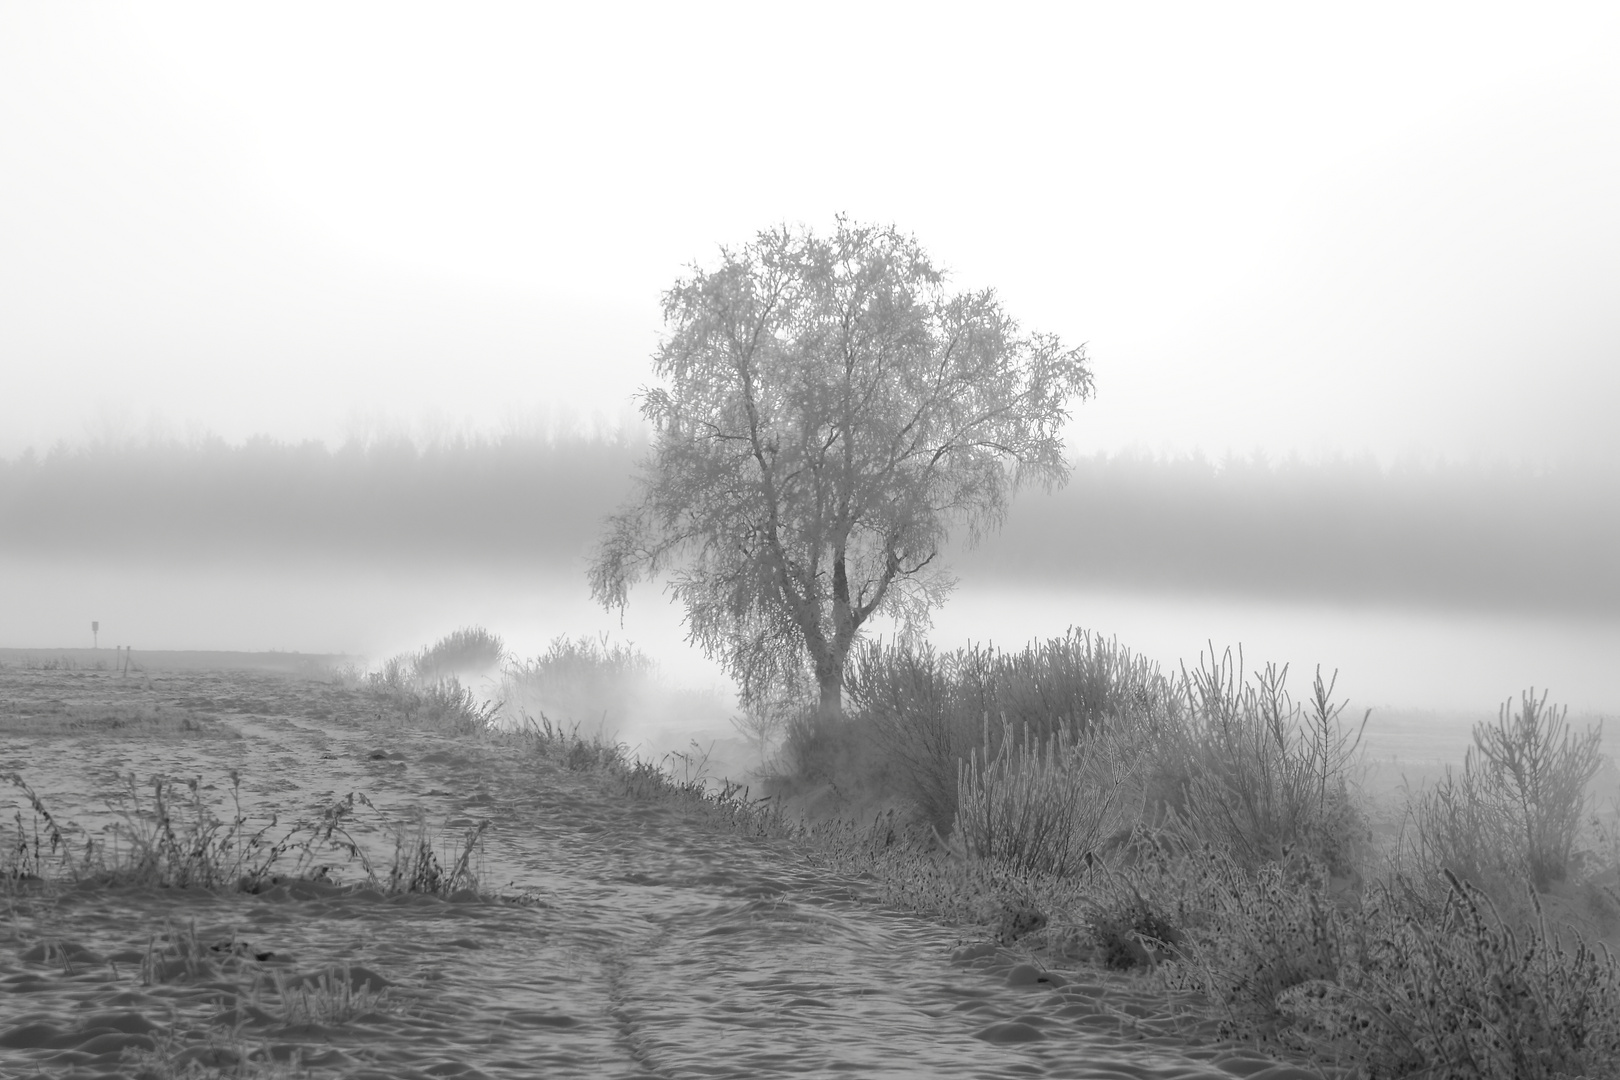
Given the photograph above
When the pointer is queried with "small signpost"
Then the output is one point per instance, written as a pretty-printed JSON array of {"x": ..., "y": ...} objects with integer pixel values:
[{"x": 95, "y": 635}]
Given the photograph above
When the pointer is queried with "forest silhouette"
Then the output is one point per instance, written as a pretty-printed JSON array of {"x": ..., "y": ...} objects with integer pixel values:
[{"x": 1459, "y": 536}]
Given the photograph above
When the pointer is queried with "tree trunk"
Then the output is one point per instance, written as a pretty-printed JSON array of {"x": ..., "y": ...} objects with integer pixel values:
[
  {"x": 830, "y": 665},
  {"x": 830, "y": 678}
]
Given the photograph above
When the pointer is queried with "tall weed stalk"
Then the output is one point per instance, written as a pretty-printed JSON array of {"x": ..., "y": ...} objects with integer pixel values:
[{"x": 1264, "y": 777}]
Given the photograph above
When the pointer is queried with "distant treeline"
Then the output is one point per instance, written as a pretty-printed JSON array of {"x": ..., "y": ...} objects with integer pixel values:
[
  {"x": 521, "y": 499},
  {"x": 1454, "y": 536},
  {"x": 1449, "y": 536}
]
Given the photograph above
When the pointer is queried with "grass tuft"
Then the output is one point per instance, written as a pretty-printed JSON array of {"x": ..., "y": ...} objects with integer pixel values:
[
  {"x": 417, "y": 869},
  {"x": 173, "y": 839},
  {"x": 331, "y": 998}
]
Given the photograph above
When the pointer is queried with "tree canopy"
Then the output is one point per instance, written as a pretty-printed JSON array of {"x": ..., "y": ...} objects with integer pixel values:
[{"x": 829, "y": 411}]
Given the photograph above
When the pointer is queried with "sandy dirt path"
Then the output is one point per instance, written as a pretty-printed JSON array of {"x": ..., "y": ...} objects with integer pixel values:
[{"x": 628, "y": 940}]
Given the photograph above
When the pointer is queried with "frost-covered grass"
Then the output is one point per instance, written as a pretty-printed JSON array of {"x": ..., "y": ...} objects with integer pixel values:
[
  {"x": 1207, "y": 830},
  {"x": 170, "y": 837},
  {"x": 1200, "y": 828}
]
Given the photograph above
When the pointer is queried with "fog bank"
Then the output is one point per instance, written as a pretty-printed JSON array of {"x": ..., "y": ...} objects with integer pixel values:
[{"x": 1457, "y": 537}]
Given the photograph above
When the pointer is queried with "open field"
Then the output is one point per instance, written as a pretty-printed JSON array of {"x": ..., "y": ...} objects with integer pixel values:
[
  {"x": 608, "y": 932},
  {"x": 227, "y": 869},
  {"x": 112, "y": 658}
]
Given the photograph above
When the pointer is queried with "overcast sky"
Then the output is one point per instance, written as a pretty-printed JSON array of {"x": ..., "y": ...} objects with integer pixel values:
[{"x": 1382, "y": 227}]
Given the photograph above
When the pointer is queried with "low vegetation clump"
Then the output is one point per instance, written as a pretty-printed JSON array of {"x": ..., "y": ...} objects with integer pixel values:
[
  {"x": 1403, "y": 991},
  {"x": 424, "y": 689},
  {"x": 602, "y": 687},
  {"x": 928, "y": 712},
  {"x": 445, "y": 705},
  {"x": 569, "y": 747},
  {"x": 1519, "y": 802},
  {"x": 562, "y": 705},
  {"x": 1262, "y": 777},
  {"x": 329, "y": 997},
  {"x": 468, "y": 651},
  {"x": 1046, "y": 805},
  {"x": 567, "y": 704},
  {"x": 173, "y": 839}
]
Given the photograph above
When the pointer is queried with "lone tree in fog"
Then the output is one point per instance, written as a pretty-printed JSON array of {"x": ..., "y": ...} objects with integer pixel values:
[{"x": 830, "y": 411}]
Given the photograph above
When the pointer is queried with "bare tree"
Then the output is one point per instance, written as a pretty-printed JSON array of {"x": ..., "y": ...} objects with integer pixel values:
[{"x": 830, "y": 411}]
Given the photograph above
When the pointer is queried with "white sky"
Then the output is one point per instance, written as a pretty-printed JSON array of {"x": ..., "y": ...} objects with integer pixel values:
[{"x": 1383, "y": 227}]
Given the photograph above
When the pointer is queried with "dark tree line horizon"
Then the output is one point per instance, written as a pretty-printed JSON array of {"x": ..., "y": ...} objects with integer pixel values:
[{"x": 1459, "y": 535}]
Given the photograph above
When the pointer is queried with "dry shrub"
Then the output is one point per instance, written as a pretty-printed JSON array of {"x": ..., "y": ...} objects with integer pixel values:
[
  {"x": 567, "y": 745},
  {"x": 1465, "y": 994},
  {"x": 1261, "y": 776},
  {"x": 1258, "y": 933},
  {"x": 1543, "y": 771},
  {"x": 840, "y": 751},
  {"x": 397, "y": 674},
  {"x": 445, "y": 705},
  {"x": 1139, "y": 912},
  {"x": 927, "y": 710},
  {"x": 1518, "y": 804},
  {"x": 467, "y": 651},
  {"x": 1045, "y": 805},
  {"x": 424, "y": 689},
  {"x": 904, "y": 697},
  {"x": 448, "y": 706},
  {"x": 604, "y": 687},
  {"x": 1397, "y": 986}
]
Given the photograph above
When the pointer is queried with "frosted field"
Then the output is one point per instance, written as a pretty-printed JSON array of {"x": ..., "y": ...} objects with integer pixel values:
[{"x": 606, "y": 936}]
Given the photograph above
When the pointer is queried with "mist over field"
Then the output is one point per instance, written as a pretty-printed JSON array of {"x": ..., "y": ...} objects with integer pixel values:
[
  {"x": 1455, "y": 537},
  {"x": 1443, "y": 587}
]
